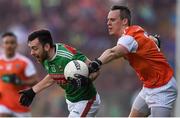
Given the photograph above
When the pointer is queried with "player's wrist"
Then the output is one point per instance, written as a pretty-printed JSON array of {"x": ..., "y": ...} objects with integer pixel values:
[
  {"x": 98, "y": 61},
  {"x": 95, "y": 65},
  {"x": 34, "y": 89}
]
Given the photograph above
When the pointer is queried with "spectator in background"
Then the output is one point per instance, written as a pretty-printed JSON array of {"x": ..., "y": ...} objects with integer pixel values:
[{"x": 16, "y": 72}]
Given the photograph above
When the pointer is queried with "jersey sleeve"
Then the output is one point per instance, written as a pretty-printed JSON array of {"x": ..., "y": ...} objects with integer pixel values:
[
  {"x": 128, "y": 42},
  {"x": 79, "y": 56},
  {"x": 30, "y": 69}
]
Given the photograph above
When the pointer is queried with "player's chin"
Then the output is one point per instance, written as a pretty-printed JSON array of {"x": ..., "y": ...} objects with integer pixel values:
[
  {"x": 38, "y": 60},
  {"x": 111, "y": 33}
]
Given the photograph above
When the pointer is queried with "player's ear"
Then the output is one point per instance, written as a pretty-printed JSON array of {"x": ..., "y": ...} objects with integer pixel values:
[
  {"x": 125, "y": 21},
  {"x": 46, "y": 47}
]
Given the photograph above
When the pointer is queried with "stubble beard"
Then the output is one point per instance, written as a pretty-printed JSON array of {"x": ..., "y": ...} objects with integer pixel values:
[{"x": 44, "y": 57}]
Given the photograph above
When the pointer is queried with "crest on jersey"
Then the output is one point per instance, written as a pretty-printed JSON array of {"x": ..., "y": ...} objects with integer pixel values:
[{"x": 17, "y": 66}]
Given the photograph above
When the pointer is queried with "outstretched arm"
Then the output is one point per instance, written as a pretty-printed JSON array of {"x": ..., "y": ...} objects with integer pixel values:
[
  {"x": 112, "y": 54},
  {"x": 46, "y": 82},
  {"x": 107, "y": 56},
  {"x": 28, "y": 95}
]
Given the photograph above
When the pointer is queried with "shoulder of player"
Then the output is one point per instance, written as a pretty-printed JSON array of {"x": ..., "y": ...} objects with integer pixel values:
[
  {"x": 66, "y": 48},
  {"x": 59, "y": 46},
  {"x": 131, "y": 30}
]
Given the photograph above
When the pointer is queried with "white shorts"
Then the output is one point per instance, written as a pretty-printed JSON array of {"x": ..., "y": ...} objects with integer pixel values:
[
  {"x": 163, "y": 96},
  {"x": 85, "y": 108},
  {"x": 4, "y": 109}
]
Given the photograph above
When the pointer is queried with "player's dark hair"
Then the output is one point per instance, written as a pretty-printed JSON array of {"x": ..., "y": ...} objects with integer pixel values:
[
  {"x": 44, "y": 37},
  {"x": 124, "y": 12},
  {"x": 8, "y": 34}
]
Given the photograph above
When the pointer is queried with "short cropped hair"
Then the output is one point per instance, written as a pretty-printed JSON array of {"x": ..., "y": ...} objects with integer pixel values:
[
  {"x": 43, "y": 35},
  {"x": 8, "y": 34},
  {"x": 124, "y": 12}
]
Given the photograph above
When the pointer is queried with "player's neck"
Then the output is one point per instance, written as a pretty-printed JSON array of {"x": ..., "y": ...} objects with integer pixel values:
[
  {"x": 52, "y": 52},
  {"x": 119, "y": 34},
  {"x": 121, "y": 31},
  {"x": 9, "y": 56}
]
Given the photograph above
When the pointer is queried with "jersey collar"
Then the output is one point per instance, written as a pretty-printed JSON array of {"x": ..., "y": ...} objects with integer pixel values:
[{"x": 10, "y": 59}]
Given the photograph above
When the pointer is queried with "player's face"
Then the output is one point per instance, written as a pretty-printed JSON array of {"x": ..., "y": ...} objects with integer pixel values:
[
  {"x": 9, "y": 45},
  {"x": 37, "y": 50},
  {"x": 114, "y": 23}
]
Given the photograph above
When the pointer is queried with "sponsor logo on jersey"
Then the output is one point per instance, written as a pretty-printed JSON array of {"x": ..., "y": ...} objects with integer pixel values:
[{"x": 59, "y": 78}]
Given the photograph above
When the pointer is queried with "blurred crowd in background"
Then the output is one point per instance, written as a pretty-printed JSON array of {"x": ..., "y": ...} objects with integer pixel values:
[{"x": 82, "y": 24}]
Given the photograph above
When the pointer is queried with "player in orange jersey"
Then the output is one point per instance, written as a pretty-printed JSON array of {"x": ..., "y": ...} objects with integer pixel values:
[
  {"x": 17, "y": 72},
  {"x": 159, "y": 90}
]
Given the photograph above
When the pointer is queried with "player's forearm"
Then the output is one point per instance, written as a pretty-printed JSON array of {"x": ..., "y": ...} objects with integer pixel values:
[
  {"x": 46, "y": 82},
  {"x": 112, "y": 54},
  {"x": 108, "y": 56}
]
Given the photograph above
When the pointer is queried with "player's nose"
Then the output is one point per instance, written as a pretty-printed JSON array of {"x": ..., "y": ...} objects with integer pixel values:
[
  {"x": 108, "y": 22},
  {"x": 32, "y": 52}
]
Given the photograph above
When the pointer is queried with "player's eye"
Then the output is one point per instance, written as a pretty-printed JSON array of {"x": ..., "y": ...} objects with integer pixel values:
[
  {"x": 34, "y": 48},
  {"x": 112, "y": 20}
]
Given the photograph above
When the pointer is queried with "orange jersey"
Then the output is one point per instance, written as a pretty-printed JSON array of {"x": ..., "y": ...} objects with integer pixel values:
[
  {"x": 145, "y": 57},
  {"x": 23, "y": 68}
]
